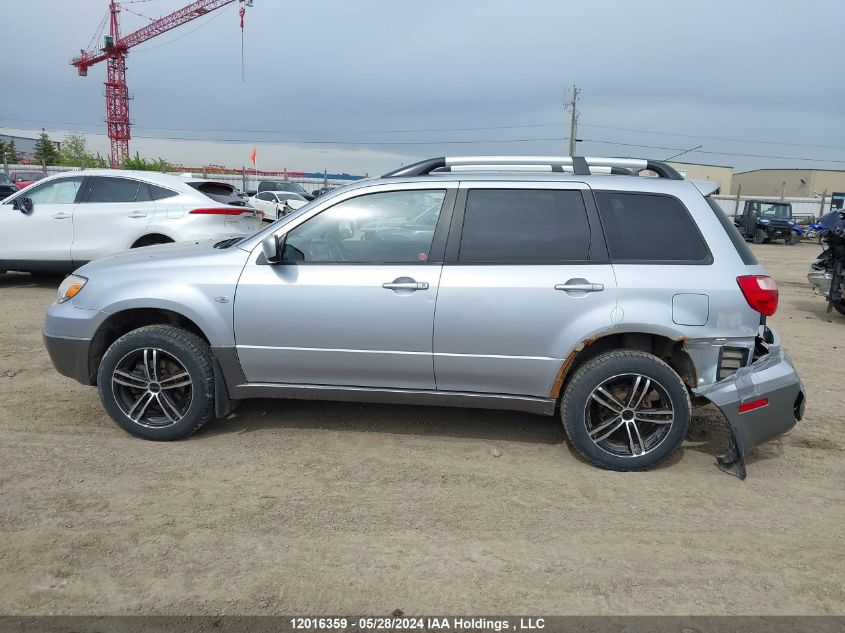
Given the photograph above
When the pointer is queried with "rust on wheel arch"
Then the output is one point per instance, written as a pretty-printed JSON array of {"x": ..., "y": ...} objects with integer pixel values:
[{"x": 566, "y": 365}]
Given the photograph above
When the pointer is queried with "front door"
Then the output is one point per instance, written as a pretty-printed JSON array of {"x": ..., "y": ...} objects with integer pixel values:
[
  {"x": 42, "y": 239},
  {"x": 526, "y": 279},
  {"x": 353, "y": 302}
]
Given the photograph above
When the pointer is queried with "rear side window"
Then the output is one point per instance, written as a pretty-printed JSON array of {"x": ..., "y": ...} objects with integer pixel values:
[
  {"x": 529, "y": 226},
  {"x": 112, "y": 190},
  {"x": 741, "y": 246},
  {"x": 160, "y": 193},
  {"x": 650, "y": 228}
]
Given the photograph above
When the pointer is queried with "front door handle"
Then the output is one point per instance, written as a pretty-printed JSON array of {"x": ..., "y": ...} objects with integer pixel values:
[
  {"x": 579, "y": 286},
  {"x": 405, "y": 285},
  {"x": 61, "y": 215},
  {"x": 137, "y": 214}
]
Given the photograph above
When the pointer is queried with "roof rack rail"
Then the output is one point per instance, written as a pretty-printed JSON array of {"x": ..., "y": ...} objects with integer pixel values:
[{"x": 578, "y": 165}]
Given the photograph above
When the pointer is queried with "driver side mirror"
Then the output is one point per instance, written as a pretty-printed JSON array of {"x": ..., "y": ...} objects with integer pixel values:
[
  {"x": 277, "y": 251},
  {"x": 24, "y": 205},
  {"x": 272, "y": 249}
]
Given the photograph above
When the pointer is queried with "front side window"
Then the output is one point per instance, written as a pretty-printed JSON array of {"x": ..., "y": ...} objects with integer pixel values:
[
  {"x": 528, "y": 226},
  {"x": 62, "y": 191},
  {"x": 652, "y": 228},
  {"x": 112, "y": 190},
  {"x": 391, "y": 227}
]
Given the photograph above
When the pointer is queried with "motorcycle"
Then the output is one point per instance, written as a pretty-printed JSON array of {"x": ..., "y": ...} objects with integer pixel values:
[
  {"x": 827, "y": 273},
  {"x": 814, "y": 231}
]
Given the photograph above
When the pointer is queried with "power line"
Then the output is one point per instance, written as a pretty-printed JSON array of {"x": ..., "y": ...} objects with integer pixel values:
[
  {"x": 711, "y": 138},
  {"x": 450, "y": 142},
  {"x": 448, "y": 129}
]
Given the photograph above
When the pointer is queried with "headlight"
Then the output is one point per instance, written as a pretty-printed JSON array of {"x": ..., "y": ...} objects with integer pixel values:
[
  {"x": 764, "y": 221},
  {"x": 70, "y": 287}
]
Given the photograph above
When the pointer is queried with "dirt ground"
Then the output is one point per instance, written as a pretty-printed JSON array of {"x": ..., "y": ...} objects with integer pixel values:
[{"x": 308, "y": 507}]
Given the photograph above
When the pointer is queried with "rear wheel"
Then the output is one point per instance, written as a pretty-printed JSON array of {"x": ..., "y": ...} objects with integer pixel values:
[
  {"x": 157, "y": 382},
  {"x": 759, "y": 236},
  {"x": 626, "y": 410}
]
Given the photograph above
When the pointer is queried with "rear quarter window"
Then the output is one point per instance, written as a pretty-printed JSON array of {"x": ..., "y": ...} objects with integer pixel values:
[
  {"x": 646, "y": 228},
  {"x": 741, "y": 246}
]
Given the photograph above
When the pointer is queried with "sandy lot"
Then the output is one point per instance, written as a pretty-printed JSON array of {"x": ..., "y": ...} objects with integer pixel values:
[{"x": 303, "y": 507}]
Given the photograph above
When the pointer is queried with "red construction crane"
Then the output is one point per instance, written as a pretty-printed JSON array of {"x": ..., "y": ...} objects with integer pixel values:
[{"x": 114, "y": 52}]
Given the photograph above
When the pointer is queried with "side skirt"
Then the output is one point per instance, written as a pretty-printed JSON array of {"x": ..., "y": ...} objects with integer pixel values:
[{"x": 540, "y": 406}]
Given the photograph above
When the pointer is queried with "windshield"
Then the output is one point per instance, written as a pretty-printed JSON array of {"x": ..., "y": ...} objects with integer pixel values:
[{"x": 776, "y": 210}]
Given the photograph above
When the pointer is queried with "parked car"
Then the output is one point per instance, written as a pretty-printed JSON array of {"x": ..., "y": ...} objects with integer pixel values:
[
  {"x": 7, "y": 187},
  {"x": 63, "y": 221},
  {"x": 323, "y": 191},
  {"x": 763, "y": 221},
  {"x": 222, "y": 192},
  {"x": 24, "y": 179},
  {"x": 618, "y": 301},
  {"x": 275, "y": 204},
  {"x": 284, "y": 185}
]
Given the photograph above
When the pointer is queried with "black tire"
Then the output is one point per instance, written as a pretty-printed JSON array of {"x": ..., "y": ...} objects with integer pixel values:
[
  {"x": 666, "y": 438},
  {"x": 839, "y": 306},
  {"x": 193, "y": 404},
  {"x": 759, "y": 236},
  {"x": 792, "y": 239}
]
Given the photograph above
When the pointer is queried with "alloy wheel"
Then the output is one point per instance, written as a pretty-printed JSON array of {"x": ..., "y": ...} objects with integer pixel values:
[
  {"x": 629, "y": 415},
  {"x": 152, "y": 388}
]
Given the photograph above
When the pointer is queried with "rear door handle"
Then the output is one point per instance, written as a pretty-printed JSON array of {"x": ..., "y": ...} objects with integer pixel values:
[
  {"x": 137, "y": 214},
  {"x": 406, "y": 285},
  {"x": 61, "y": 215},
  {"x": 580, "y": 287}
]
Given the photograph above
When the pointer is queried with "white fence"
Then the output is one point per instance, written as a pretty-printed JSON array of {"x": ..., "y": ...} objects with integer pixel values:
[{"x": 802, "y": 208}]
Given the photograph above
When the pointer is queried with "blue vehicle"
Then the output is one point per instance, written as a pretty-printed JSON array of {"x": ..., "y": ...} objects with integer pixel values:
[{"x": 763, "y": 221}]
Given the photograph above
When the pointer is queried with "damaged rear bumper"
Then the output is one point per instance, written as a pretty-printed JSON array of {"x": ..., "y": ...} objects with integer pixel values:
[{"x": 760, "y": 402}]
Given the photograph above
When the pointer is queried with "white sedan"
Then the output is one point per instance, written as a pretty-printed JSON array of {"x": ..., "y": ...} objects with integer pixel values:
[
  {"x": 60, "y": 223},
  {"x": 276, "y": 204}
]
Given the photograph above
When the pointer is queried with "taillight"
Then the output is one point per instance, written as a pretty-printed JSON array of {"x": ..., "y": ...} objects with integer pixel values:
[
  {"x": 761, "y": 293},
  {"x": 226, "y": 211}
]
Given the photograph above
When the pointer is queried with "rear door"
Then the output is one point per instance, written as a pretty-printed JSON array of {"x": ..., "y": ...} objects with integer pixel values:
[
  {"x": 526, "y": 279},
  {"x": 113, "y": 213}
]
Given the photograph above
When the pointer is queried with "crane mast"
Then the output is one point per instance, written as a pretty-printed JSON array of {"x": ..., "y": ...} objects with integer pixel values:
[{"x": 114, "y": 53}]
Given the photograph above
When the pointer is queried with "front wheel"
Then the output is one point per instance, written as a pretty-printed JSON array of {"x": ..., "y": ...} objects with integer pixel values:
[
  {"x": 157, "y": 382},
  {"x": 626, "y": 410},
  {"x": 792, "y": 239},
  {"x": 759, "y": 236}
]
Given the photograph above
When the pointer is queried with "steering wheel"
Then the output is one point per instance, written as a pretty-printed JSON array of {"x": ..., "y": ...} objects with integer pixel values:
[{"x": 334, "y": 247}]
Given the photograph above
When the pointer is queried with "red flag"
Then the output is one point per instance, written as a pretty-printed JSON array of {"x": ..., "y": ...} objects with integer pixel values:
[{"x": 253, "y": 156}]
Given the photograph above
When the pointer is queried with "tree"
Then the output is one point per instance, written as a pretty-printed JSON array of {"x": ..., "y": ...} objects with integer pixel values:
[
  {"x": 73, "y": 153},
  {"x": 45, "y": 149},
  {"x": 10, "y": 152},
  {"x": 142, "y": 164}
]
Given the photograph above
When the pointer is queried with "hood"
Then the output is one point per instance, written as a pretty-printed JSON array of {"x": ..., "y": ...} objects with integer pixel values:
[{"x": 176, "y": 255}]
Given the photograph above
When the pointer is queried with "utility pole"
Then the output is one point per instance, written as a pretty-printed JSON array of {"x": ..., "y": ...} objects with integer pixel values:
[{"x": 573, "y": 124}]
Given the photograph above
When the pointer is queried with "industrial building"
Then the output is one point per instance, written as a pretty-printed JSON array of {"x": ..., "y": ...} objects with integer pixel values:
[{"x": 789, "y": 183}]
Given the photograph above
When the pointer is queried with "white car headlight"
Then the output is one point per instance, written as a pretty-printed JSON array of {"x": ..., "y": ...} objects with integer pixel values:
[{"x": 70, "y": 287}]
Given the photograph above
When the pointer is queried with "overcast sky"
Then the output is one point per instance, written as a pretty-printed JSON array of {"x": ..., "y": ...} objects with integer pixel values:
[{"x": 370, "y": 84}]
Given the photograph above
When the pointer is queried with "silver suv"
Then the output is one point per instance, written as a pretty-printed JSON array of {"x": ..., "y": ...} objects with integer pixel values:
[{"x": 540, "y": 284}]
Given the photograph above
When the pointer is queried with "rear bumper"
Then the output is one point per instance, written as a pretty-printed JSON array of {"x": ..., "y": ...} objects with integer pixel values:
[{"x": 771, "y": 378}]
